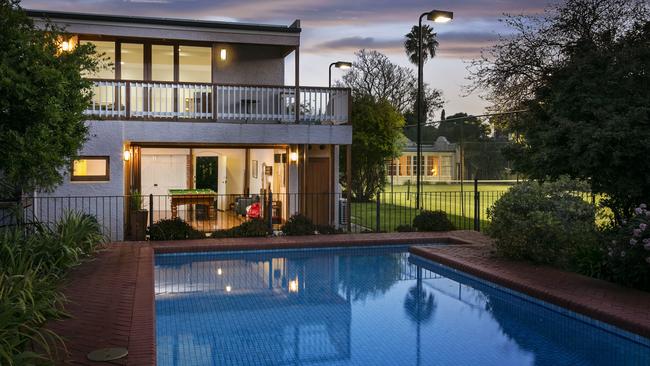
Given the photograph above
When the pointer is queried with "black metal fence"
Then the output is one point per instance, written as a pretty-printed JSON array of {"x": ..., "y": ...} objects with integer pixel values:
[{"x": 387, "y": 212}]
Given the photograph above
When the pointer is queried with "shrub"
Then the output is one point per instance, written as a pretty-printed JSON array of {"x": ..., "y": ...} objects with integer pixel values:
[
  {"x": 628, "y": 253},
  {"x": 251, "y": 228},
  {"x": 544, "y": 223},
  {"x": 173, "y": 229},
  {"x": 404, "y": 228},
  {"x": 298, "y": 224},
  {"x": 32, "y": 264},
  {"x": 327, "y": 229},
  {"x": 432, "y": 221}
]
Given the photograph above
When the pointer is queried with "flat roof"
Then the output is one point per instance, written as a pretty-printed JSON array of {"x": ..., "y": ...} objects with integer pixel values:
[{"x": 49, "y": 14}]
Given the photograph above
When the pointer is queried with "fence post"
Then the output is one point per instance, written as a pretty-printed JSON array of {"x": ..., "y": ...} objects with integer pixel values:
[
  {"x": 150, "y": 209},
  {"x": 477, "y": 206},
  {"x": 270, "y": 211},
  {"x": 377, "y": 214}
]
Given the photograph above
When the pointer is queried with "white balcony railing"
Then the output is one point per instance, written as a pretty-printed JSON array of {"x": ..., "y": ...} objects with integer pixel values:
[{"x": 234, "y": 103}]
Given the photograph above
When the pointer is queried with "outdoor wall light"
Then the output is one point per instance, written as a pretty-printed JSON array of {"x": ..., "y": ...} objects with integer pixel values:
[
  {"x": 219, "y": 271},
  {"x": 293, "y": 156},
  {"x": 440, "y": 16},
  {"x": 67, "y": 44},
  {"x": 228, "y": 288},
  {"x": 223, "y": 54},
  {"x": 126, "y": 155}
]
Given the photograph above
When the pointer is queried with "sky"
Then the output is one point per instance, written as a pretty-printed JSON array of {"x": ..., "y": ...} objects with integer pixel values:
[{"x": 333, "y": 30}]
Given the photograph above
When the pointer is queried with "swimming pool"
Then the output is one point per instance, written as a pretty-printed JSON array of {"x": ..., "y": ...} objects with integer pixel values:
[{"x": 370, "y": 306}]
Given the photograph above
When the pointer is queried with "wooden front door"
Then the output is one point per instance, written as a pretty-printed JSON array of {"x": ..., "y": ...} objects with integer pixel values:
[{"x": 317, "y": 196}]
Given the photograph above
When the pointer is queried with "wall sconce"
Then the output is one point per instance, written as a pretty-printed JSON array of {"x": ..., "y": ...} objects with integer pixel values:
[
  {"x": 67, "y": 44},
  {"x": 219, "y": 271},
  {"x": 293, "y": 156},
  {"x": 228, "y": 288},
  {"x": 126, "y": 155},
  {"x": 223, "y": 54}
]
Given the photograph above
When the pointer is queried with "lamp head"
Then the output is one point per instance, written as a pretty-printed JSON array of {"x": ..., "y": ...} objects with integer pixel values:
[
  {"x": 440, "y": 16},
  {"x": 343, "y": 65}
]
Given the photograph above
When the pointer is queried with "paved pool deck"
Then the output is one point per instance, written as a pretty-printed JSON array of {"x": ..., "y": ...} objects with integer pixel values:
[{"x": 111, "y": 297}]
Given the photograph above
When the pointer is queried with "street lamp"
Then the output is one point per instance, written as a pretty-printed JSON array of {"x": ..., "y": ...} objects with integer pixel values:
[
  {"x": 343, "y": 65},
  {"x": 437, "y": 16}
]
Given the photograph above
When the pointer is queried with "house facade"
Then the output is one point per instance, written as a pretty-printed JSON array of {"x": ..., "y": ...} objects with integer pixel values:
[
  {"x": 186, "y": 106},
  {"x": 440, "y": 163}
]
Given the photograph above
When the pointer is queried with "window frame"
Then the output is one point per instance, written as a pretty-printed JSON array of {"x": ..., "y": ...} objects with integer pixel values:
[{"x": 91, "y": 178}]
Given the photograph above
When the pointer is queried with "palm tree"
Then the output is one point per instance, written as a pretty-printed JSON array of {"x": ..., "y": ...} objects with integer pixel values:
[{"x": 429, "y": 44}]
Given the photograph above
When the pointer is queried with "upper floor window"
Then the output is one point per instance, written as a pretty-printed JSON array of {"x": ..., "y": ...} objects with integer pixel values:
[
  {"x": 105, "y": 50},
  {"x": 132, "y": 61},
  {"x": 90, "y": 169},
  {"x": 195, "y": 64},
  {"x": 162, "y": 63}
]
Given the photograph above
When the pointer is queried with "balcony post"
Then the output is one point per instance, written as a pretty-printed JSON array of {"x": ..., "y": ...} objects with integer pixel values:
[
  {"x": 127, "y": 102},
  {"x": 297, "y": 77}
]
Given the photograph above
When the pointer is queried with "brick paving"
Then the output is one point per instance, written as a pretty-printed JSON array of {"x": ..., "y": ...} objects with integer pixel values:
[{"x": 111, "y": 298}]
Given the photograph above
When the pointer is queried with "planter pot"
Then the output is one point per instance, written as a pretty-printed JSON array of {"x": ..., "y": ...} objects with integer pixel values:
[{"x": 138, "y": 224}]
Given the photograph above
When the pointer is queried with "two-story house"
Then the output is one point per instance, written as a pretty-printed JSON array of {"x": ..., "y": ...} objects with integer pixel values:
[{"x": 192, "y": 109}]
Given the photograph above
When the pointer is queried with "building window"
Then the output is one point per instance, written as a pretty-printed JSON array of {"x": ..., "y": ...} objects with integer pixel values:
[
  {"x": 195, "y": 64},
  {"x": 433, "y": 166},
  {"x": 392, "y": 167},
  {"x": 132, "y": 64},
  {"x": 106, "y": 53},
  {"x": 90, "y": 169},
  {"x": 162, "y": 63},
  {"x": 445, "y": 168}
]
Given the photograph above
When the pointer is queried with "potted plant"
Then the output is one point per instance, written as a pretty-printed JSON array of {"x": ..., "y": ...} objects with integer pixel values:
[{"x": 138, "y": 217}]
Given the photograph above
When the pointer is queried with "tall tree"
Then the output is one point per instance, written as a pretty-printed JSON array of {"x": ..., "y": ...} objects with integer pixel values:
[
  {"x": 583, "y": 74},
  {"x": 42, "y": 99},
  {"x": 376, "y": 138},
  {"x": 429, "y": 44},
  {"x": 375, "y": 75}
]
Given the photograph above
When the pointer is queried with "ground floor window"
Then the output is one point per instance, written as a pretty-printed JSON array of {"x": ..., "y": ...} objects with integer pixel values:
[{"x": 90, "y": 168}]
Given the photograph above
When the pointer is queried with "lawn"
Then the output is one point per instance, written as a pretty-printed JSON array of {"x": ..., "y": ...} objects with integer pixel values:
[{"x": 398, "y": 206}]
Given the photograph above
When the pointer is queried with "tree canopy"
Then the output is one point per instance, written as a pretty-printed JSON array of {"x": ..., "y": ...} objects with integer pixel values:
[
  {"x": 429, "y": 44},
  {"x": 42, "y": 99},
  {"x": 376, "y": 138},
  {"x": 373, "y": 74},
  {"x": 582, "y": 72}
]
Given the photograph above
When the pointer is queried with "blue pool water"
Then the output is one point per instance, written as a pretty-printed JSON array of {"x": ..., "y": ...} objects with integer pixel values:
[{"x": 374, "y": 306}]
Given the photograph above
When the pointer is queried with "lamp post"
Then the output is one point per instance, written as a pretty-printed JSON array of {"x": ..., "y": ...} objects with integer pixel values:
[
  {"x": 339, "y": 65},
  {"x": 438, "y": 16}
]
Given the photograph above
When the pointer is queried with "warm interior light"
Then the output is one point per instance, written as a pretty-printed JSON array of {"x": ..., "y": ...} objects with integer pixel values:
[
  {"x": 223, "y": 54},
  {"x": 293, "y": 156},
  {"x": 293, "y": 285},
  {"x": 126, "y": 155}
]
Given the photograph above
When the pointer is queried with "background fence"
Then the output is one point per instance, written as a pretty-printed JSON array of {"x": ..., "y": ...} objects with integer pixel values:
[{"x": 386, "y": 212}]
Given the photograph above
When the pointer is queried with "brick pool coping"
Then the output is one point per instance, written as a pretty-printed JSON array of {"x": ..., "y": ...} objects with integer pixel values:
[
  {"x": 625, "y": 308},
  {"x": 111, "y": 297}
]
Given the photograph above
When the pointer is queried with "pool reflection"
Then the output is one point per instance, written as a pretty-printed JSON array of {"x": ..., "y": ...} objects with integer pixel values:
[{"x": 357, "y": 307}]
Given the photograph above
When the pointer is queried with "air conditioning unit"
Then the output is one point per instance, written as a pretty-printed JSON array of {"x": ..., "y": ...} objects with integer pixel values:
[{"x": 343, "y": 212}]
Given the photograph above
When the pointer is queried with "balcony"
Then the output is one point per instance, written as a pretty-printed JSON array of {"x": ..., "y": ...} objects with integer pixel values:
[{"x": 176, "y": 101}]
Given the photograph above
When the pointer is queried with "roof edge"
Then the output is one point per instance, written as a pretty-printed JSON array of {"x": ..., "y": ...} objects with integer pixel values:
[{"x": 50, "y": 14}]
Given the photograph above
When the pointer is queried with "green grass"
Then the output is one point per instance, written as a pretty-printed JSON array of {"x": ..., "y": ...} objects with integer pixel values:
[{"x": 398, "y": 205}]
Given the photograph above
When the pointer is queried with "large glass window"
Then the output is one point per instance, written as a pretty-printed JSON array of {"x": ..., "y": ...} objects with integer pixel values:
[
  {"x": 105, "y": 51},
  {"x": 162, "y": 63},
  {"x": 195, "y": 64},
  {"x": 433, "y": 166},
  {"x": 132, "y": 61}
]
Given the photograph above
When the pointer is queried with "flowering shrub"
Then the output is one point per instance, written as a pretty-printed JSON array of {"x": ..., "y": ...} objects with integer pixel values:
[{"x": 628, "y": 254}]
